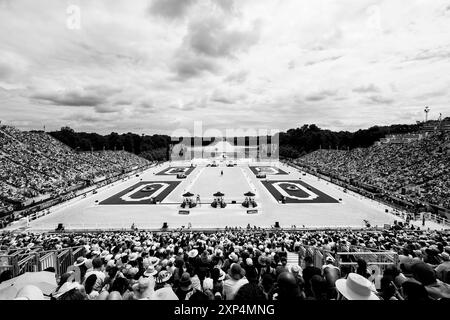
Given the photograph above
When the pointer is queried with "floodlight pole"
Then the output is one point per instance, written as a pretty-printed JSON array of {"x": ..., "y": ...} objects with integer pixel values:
[{"x": 427, "y": 109}]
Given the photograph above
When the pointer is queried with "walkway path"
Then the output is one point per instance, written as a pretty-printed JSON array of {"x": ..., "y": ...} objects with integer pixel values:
[
  {"x": 292, "y": 258},
  {"x": 429, "y": 225}
]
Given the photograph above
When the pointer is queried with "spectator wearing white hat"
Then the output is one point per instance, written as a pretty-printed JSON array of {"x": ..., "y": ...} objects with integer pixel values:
[
  {"x": 443, "y": 269},
  {"x": 163, "y": 280},
  {"x": 296, "y": 270},
  {"x": 165, "y": 293},
  {"x": 144, "y": 288},
  {"x": 329, "y": 263},
  {"x": 70, "y": 291},
  {"x": 208, "y": 282},
  {"x": 232, "y": 258},
  {"x": 355, "y": 287},
  {"x": 80, "y": 264},
  {"x": 29, "y": 292}
]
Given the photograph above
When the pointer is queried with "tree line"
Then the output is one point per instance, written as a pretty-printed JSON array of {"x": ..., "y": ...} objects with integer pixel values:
[
  {"x": 294, "y": 143},
  {"x": 153, "y": 148},
  {"x": 300, "y": 141}
]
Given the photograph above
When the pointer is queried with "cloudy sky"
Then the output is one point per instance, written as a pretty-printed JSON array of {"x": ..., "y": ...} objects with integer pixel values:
[{"x": 154, "y": 66}]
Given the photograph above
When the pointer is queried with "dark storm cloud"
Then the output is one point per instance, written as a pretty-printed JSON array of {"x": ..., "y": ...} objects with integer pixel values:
[
  {"x": 291, "y": 65},
  {"x": 212, "y": 37},
  {"x": 12, "y": 65},
  {"x": 226, "y": 5},
  {"x": 237, "y": 77},
  {"x": 145, "y": 107},
  {"x": 90, "y": 96},
  {"x": 107, "y": 108},
  {"x": 230, "y": 97},
  {"x": 84, "y": 117},
  {"x": 365, "y": 89},
  {"x": 223, "y": 99},
  {"x": 319, "y": 96},
  {"x": 188, "y": 65},
  {"x": 379, "y": 100},
  {"x": 431, "y": 54},
  {"x": 431, "y": 95},
  {"x": 123, "y": 102},
  {"x": 170, "y": 9},
  {"x": 71, "y": 98},
  {"x": 207, "y": 40},
  {"x": 5, "y": 71},
  {"x": 311, "y": 63},
  {"x": 200, "y": 103}
]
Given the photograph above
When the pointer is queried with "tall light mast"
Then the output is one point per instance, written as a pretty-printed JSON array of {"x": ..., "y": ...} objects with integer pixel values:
[{"x": 427, "y": 109}]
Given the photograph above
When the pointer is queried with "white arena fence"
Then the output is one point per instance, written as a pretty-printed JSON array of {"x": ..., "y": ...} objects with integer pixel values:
[
  {"x": 380, "y": 258},
  {"x": 437, "y": 219},
  {"x": 23, "y": 260}
]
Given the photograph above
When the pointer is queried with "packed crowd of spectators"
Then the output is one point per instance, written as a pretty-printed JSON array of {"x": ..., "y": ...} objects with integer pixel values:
[
  {"x": 245, "y": 265},
  {"x": 34, "y": 164},
  {"x": 5, "y": 207},
  {"x": 419, "y": 167}
]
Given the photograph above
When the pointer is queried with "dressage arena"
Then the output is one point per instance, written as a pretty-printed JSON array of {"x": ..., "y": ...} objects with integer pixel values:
[
  {"x": 267, "y": 170},
  {"x": 310, "y": 202}
]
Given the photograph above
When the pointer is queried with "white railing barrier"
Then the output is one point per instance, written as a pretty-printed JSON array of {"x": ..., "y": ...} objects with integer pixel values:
[{"x": 437, "y": 219}]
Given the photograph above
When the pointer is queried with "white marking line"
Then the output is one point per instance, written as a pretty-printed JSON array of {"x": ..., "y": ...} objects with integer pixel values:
[
  {"x": 267, "y": 170},
  {"x": 169, "y": 172},
  {"x": 188, "y": 188},
  {"x": 277, "y": 186},
  {"x": 250, "y": 183},
  {"x": 127, "y": 196}
]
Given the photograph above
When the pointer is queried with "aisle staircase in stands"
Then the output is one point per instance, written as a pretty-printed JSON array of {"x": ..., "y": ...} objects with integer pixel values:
[{"x": 292, "y": 258}]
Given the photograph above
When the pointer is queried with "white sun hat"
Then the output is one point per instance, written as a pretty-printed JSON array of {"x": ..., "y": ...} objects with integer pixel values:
[{"x": 356, "y": 287}]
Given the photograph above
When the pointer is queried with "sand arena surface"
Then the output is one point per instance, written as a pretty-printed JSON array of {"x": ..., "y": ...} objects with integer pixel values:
[{"x": 87, "y": 213}]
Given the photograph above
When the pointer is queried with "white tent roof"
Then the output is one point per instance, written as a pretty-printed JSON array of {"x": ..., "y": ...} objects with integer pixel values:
[{"x": 221, "y": 146}]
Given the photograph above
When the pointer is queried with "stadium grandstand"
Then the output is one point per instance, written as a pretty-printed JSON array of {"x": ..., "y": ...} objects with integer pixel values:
[
  {"x": 398, "y": 261},
  {"x": 413, "y": 172},
  {"x": 436, "y": 126},
  {"x": 401, "y": 138},
  {"x": 37, "y": 170},
  {"x": 231, "y": 264}
]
